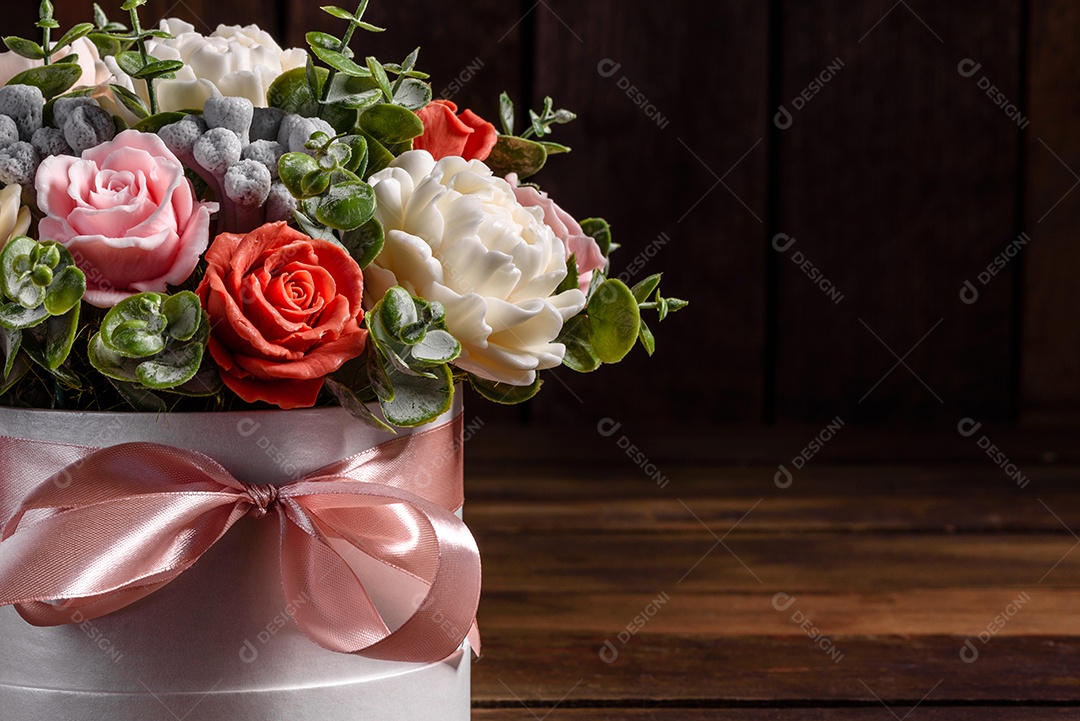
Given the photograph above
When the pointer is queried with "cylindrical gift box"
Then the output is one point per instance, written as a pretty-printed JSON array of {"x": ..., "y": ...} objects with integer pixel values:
[{"x": 218, "y": 643}]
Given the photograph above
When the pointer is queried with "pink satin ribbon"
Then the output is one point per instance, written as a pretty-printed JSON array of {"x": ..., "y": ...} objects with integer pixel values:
[{"x": 98, "y": 529}]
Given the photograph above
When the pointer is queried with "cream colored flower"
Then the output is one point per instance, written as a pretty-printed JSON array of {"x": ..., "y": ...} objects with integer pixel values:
[
  {"x": 232, "y": 61},
  {"x": 14, "y": 216},
  {"x": 94, "y": 71},
  {"x": 456, "y": 234}
]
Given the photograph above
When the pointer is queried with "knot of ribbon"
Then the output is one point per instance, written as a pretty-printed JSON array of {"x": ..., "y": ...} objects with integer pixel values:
[
  {"x": 263, "y": 497},
  {"x": 116, "y": 524}
]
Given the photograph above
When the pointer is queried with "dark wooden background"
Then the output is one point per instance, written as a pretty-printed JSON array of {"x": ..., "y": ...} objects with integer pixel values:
[{"x": 900, "y": 180}]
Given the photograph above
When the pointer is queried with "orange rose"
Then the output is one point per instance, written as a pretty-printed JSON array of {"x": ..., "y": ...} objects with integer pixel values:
[
  {"x": 284, "y": 311},
  {"x": 446, "y": 133}
]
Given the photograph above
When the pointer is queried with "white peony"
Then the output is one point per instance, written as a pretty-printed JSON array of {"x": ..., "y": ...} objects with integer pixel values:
[
  {"x": 456, "y": 234},
  {"x": 233, "y": 61},
  {"x": 14, "y": 216}
]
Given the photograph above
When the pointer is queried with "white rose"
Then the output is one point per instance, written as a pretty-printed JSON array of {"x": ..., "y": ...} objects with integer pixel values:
[
  {"x": 232, "y": 61},
  {"x": 456, "y": 234}
]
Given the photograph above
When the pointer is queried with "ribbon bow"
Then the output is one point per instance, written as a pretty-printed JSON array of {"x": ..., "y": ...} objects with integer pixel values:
[{"x": 117, "y": 524}]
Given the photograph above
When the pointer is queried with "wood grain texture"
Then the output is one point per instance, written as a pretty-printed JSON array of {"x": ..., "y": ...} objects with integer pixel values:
[
  {"x": 650, "y": 164},
  {"x": 897, "y": 181},
  {"x": 1051, "y": 340},
  {"x": 927, "y": 711}
]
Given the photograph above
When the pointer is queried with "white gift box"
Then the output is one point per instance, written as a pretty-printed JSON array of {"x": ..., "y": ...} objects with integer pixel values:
[{"x": 218, "y": 643}]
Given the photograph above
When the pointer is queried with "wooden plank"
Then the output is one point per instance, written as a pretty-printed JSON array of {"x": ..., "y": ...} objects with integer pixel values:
[
  {"x": 897, "y": 182},
  {"x": 634, "y": 163},
  {"x": 964, "y": 612},
  {"x": 770, "y": 563},
  {"x": 539, "y": 669},
  {"x": 822, "y": 499},
  {"x": 205, "y": 15},
  {"x": 1051, "y": 340},
  {"x": 802, "y": 712}
]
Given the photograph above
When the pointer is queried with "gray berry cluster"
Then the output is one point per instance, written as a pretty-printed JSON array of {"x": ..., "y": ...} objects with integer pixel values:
[
  {"x": 25, "y": 141},
  {"x": 235, "y": 147}
]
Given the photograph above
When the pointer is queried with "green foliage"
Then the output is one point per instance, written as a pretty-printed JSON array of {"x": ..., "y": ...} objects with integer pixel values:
[
  {"x": 152, "y": 341},
  {"x": 407, "y": 363},
  {"x": 39, "y": 318},
  {"x": 504, "y": 393}
]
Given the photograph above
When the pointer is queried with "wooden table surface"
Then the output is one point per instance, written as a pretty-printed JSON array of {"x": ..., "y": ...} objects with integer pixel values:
[{"x": 926, "y": 586}]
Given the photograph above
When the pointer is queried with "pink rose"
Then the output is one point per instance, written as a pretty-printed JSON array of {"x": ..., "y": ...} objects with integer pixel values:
[
  {"x": 584, "y": 248},
  {"x": 127, "y": 214}
]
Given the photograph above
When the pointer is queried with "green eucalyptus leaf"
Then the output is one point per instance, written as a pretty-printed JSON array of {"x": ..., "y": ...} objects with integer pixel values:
[
  {"x": 165, "y": 69},
  {"x": 108, "y": 362},
  {"x": 171, "y": 368},
  {"x": 19, "y": 368},
  {"x": 378, "y": 156},
  {"x": 10, "y": 342},
  {"x": 412, "y": 94},
  {"x": 516, "y": 155},
  {"x": 378, "y": 72},
  {"x": 648, "y": 341},
  {"x": 504, "y": 393},
  {"x": 356, "y": 408},
  {"x": 315, "y": 183},
  {"x": 391, "y": 124},
  {"x": 66, "y": 290},
  {"x": 60, "y": 332},
  {"x": 139, "y": 398},
  {"x": 644, "y": 289},
  {"x": 340, "y": 13},
  {"x": 571, "y": 281},
  {"x": 365, "y": 243},
  {"x": 312, "y": 228},
  {"x": 438, "y": 346},
  {"x": 555, "y": 148},
  {"x": 599, "y": 230},
  {"x": 378, "y": 375},
  {"x": 356, "y": 93},
  {"x": 347, "y": 206},
  {"x": 339, "y": 61},
  {"x": 419, "y": 400},
  {"x": 131, "y": 101},
  {"x": 506, "y": 113},
  {"x": 292, "y": 93},
  {"x": 155, "y": 123},
  {"x": 52, "y": 80},
  {"x": 136, "y": 339},
  {"x": 105, "y": 44},
  {"x": 184, "y": 314},
  {"x": 576, "y": 335},
  {"x": 77, "y": 31},
  {"x": 615, "y": 321},
  {"x": 130, "y": 61},
  {"x": 322, "y": 40},
  {"x": 397, "y": 310},
  {"x": 25, "y": 48},
  {"x": 293, "y": 168},
  {"x": 358, "y": 160},
  {"x": 17, "y": 317}
]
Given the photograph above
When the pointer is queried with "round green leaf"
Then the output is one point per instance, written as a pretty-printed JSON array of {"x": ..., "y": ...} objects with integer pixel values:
[
  {"x": 417, "y": 399},
  {"x": 293, "y": 168},
  {"x": 66, "y": 290},
  {"x": 52, "y": 80},
  {"x": 347, "y": 206},
  {"x": 391, "y": 124},
  {"x": 184, "y": 313},
  {"x": 26, "y": 48},
  {"x": 614, "y": 319},
  {"x": 171, "y": 368},
  {"x": 155, "y": 123},
  {"x": 516, "y": 155},
  {"x": 438, "y": 346},
  {"x": 504, "y": 393},
  {"x": 136, "y": 339},
  {"x": 60, "y": 332},
  {"x": 365, "y": 243},
  {"x": 292, "y": 93}
]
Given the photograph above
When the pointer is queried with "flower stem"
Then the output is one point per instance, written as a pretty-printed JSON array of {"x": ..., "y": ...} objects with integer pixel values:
[
  {"x": 137, "y": 31},
  {"x": 344, "y": 44}
]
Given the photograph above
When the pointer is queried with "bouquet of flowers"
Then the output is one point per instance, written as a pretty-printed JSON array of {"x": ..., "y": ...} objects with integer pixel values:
[
  {"x": 201, "y": 222},
  {"x": 212, "y": 223}
]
